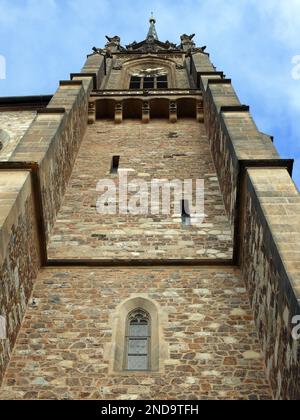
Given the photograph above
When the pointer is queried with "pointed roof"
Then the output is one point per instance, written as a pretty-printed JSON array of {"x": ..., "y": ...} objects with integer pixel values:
[{"x": 152, "y": 34}]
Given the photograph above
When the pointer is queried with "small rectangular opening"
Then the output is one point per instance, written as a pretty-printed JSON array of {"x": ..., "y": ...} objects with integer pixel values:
[
  {"x": 135, "y": 82},
  {"x": 185, "y": 213},
  {"x": 115, "y": 164}
]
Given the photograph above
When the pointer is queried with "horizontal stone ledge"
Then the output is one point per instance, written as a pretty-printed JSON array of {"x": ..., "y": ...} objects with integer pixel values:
[
  {"x": 235, "y": 108},
  {"x": 210, "y": 73},
  {"x": 70, "y": 83},
  {"x": 287, "y": 164},
  {"x": 219, "y": 81},
  {"x": 51, "y": 111},
  {"x": 92, "y": 75},
  {"x": 19, "y": 101},
  {"x": 137, "y": 263},
  {"x": 15, "y": 165}
]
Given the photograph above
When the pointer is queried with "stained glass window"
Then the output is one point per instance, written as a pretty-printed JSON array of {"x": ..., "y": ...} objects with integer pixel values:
[{"x": 138, "y": 340}]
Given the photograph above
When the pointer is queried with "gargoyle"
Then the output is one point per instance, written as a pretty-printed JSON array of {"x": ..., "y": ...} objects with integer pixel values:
[
  {"x": 187, "y": 38},
  {"x": 113, "y": 40}
]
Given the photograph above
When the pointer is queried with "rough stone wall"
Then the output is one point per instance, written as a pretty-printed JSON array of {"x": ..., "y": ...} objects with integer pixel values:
[
  {"x": 62, "y": 350},
  {"x": 199, "y": 63},
  {"x": 270, "y": 267},
  {"x": 233, "y": 137},
  {"x": 15, "y": 124},
  {"x": 53, "y": 141},
  {"x": 155, "y": 150},
  {"x": 19, "y": 256},
  {"x": 95, "y": 64}
]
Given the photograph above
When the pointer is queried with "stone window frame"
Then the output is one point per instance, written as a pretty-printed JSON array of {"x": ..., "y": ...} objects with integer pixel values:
[
  {"x": 159, "y": 349},
  {"x": 143, "y": 79},
  {"x": 130, "y": 65},
  {"x": 130, "y": 337}
]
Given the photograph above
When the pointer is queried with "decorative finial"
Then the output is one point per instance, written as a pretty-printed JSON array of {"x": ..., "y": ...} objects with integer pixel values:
[
  {"x": 152, "y": 18},
  {"x": 152, "y": 34}
]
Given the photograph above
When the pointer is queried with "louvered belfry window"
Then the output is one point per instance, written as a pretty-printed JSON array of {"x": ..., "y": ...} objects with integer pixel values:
[{"x": 138, "y": 341}]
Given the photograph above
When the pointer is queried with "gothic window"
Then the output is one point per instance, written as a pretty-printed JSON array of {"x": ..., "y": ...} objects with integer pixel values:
[
  {"x": 138, "y": 341},
  {"x": 149, "y": 82}
]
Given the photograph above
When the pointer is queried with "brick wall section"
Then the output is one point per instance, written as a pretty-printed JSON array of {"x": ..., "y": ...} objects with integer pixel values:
[
  {"x": 15, "y": 124},
  {"x": 270, "y": 267},
  {"x": 19, "y": 254},
  {"x": 156, "y": 150},
  {"x": 62, "y": 349}
]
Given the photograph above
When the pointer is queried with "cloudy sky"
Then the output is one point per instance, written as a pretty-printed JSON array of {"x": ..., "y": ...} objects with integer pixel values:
[{"x": 256, "y": 43}]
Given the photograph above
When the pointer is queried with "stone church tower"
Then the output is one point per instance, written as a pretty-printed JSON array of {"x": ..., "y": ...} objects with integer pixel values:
[{"x": 145, "y": 305}]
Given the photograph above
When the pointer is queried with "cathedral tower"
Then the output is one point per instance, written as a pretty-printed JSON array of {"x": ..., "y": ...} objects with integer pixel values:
[{"x": 149, "y": 236}]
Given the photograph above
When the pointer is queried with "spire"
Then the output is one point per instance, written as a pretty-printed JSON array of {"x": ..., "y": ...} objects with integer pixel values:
[{"x": 152, "y": 31}]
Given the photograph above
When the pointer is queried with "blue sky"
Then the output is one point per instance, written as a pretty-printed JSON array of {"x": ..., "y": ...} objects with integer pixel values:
[{"x": 252, "y": 41}]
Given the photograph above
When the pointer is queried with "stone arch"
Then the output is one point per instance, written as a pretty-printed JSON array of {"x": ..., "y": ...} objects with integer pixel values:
[
  {"x": 116, "y": 353},
  {"x": 186, "y": 108},
  {"x": 105, "y": 109},
  {"x": 132, "y": 108},
  {"x": 4, "y": 138},
  {"x": 152, "y": 62},
  {"x": 159, "y": 108}
]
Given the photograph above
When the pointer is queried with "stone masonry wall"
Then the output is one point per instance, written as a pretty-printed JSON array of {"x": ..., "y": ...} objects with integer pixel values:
[
  {"x": 270, "y": 267},
  {"x": 19, "y": 256},
  {"x": 63, "y": 348},
  {"x": 53, "y": 141},
  {"x": 269, "y": 231},
  {"x": 156, "y": 150},
  {"x": 233, "y": 137},
  {"x": 15, "y": 124}
]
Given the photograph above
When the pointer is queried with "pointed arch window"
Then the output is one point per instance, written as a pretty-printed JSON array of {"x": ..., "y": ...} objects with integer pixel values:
[{"x": 138, "y": 341}]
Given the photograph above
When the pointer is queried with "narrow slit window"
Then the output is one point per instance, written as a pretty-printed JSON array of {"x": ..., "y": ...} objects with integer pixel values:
[
  {"x": 162, "y": 82},
  {"x": 135, "y": 82},
  {"x": 115, "y": 164},
  {"x": 138, "y": 341},
  {"x": 185, "y": 213}
]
